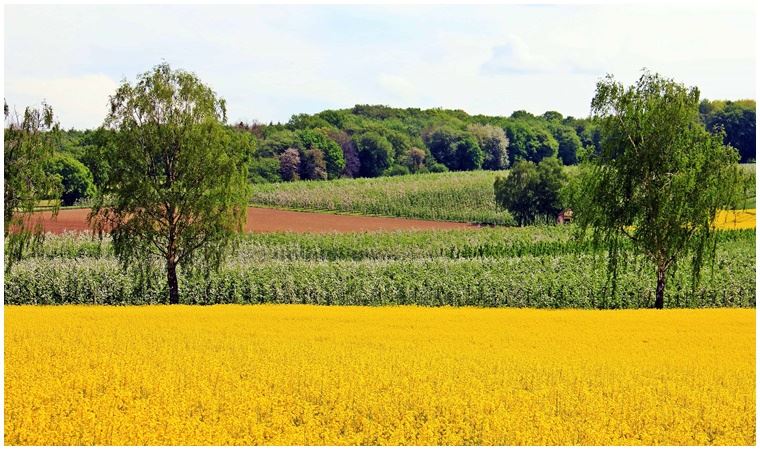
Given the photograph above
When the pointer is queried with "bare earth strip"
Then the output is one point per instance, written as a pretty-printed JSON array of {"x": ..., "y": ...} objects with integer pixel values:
[{"x": 268, "y": 220}]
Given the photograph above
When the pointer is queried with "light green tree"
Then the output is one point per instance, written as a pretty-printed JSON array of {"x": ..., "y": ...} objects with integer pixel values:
[
  {"x": 29, "y": 141},
  {"x": 659, "y": 180},
  {"x": 178, "y": 183}
]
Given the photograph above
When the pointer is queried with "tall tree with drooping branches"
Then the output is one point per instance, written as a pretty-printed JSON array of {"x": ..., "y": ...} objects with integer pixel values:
[
  {"x": 178, "y": 181},
  {"x": 659, "y": 180},
  {"x": 29, "y": 141}
]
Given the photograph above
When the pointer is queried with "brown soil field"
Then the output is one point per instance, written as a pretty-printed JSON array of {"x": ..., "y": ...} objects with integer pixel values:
[{"x": 269, "y": 220}]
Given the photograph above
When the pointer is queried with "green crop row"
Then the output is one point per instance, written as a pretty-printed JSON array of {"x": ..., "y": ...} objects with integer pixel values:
[
  {"x": 486, "y": 242},
  {"x": 565, "y": 281}
]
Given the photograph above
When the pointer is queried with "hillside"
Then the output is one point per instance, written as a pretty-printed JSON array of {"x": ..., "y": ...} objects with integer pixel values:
[{"x": 369, "y": 141}]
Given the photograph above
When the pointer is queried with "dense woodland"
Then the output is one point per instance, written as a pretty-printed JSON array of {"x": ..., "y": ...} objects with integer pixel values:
[{"x": 375, "y": 140}]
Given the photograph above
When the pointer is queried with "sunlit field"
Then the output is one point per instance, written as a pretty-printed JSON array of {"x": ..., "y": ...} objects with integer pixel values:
[
  {"x": 385, "y": 375},
  {"x": 742, "y": 219}
]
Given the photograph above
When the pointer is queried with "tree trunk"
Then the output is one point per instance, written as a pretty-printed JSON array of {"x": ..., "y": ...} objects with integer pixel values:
[
  {"x": 659, "y": 301},
  {"x": 171, "y": 278}
]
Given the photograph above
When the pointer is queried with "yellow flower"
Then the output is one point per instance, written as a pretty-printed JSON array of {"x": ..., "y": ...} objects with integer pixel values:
[
  {"x": 742, "y": 219},
  {"x": 292, "y": 375}
]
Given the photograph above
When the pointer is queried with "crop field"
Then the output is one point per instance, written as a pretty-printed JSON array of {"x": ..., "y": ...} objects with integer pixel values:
[
  {"x": 456, "y": 196},
  {"x": 736, "y": 220},
  {"x": 293, "y": 375},
  {"x": 527, "y": 267}
]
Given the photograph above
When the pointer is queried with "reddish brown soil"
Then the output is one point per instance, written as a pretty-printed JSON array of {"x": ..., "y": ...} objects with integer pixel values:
[{"x": 265, "y": 219}]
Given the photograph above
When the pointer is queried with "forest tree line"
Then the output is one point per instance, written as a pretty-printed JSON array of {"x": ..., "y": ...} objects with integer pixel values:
[{"x": 375, "y": 140}]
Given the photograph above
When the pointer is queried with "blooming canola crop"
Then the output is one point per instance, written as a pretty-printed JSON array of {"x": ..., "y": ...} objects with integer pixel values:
[
  {"x": 291, "y": 375},
  {"x": 740, "y": 219}
]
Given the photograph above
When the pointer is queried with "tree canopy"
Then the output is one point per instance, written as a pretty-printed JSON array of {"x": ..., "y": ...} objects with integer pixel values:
[
  {"x": 659, "y": 179},
  {"x": 29, "y": 141},
  {"x": 375, "y": 154},
  {"x": 75, "y": 178},
  {"x": 178, "y": 182},
  {"x": 532, "y": 191},
  {"x": 737, "y": 119},
  {"x": 443, "y": 135}
]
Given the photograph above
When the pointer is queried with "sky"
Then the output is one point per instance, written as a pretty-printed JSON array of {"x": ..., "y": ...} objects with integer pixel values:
[{"x": 270, "y": 62}]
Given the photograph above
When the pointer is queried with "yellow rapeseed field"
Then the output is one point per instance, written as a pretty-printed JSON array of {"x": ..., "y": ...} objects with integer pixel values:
[
  {"x": 740, "y": 219},
  {"x": 292, "y": 374}
]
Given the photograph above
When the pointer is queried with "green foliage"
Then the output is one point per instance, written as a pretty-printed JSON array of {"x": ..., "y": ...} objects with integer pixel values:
[
  {"x": 305, "y": 121},
  {"x": 660, "y": 178},
  {"x": 532, "y": 191},
  {"x": 493, "y": 141},
  {"x": 502, "y": 140},
  {"x": 28, "y": 144},
  {"x": 437, "y": 168},
  {"x": 552, "y": 116},
  {"x": 76, "y": 179},
  {"x": 178, "y": 178},
  {"x": 395, "y": 170},
  {"x": 569, "y": 144},
  {"x": 277, "y": 142},
  {"x": 400, "y": 142},
  {"x": 332, "y": 154},
  {"x": 441, "y": 142},
  {"x": 264, "y": 170},
  {"x": 589, "y": 134},
  {"x": 313, "y": 165},
  {"x": 529, "y": 141},
  {"x": 468, "y": 154},
  {"x": 375, "y": 154},
  {"x": 737, "y": 120},
  {"x": 95, "y": 146},
  {"x": 457, "y": 150}
]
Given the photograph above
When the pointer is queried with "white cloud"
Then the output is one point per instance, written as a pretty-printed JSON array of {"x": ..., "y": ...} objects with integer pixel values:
[
  {"x": 399, "y": 88},
  {"x": 83, "y": 100},
  {"x": 271, "y": 61},
  {"x": 514, "y": 57}
]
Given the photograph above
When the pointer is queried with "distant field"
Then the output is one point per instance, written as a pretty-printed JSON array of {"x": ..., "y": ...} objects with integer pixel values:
[
  {"x": 301, "y": 375},
  {"x": 743, "y": 219},
  {"x": 457, "y": 196}
]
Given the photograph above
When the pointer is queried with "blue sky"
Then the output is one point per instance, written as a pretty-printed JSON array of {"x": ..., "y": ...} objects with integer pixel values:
[{"x": 270, "y": 62}]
